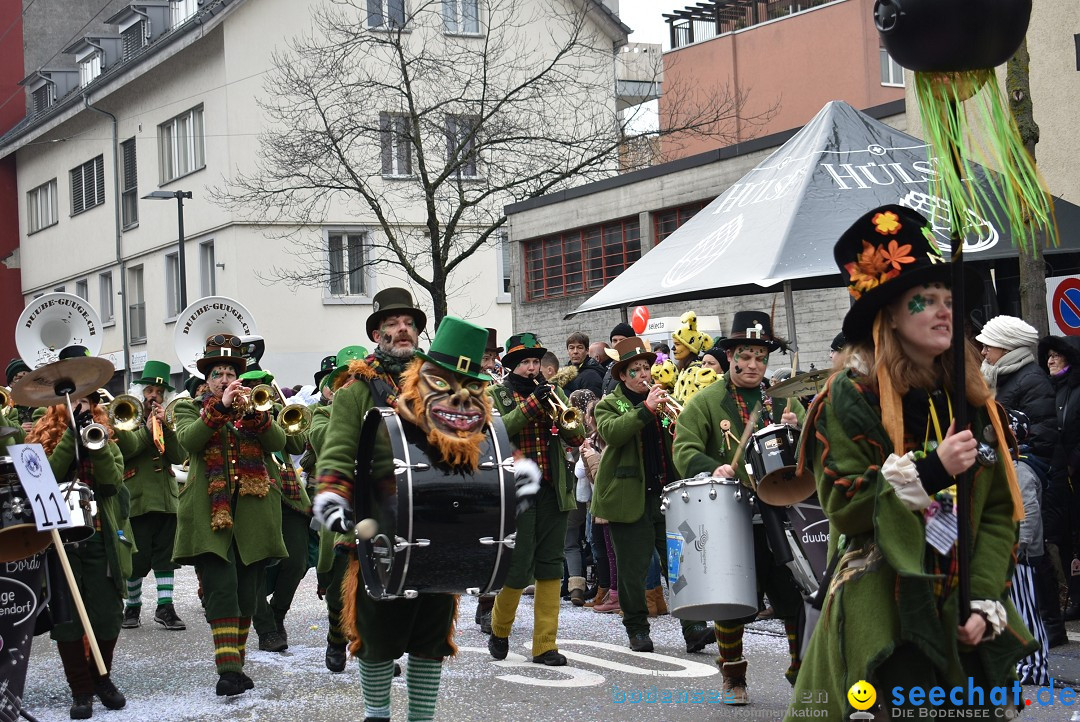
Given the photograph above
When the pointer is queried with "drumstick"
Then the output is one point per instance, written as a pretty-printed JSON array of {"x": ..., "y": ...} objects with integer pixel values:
[
  {"x": 747, "y": 431},
  {"x": 80, "y": 607}
]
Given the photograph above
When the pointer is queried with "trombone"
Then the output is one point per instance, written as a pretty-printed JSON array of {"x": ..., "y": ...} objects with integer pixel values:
[
  {"x": 668, "y": 407},
  {"x": 567, "y": 418}
]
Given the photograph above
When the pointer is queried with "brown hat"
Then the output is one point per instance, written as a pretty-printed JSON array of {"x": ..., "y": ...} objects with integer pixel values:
[
  {"x": 493, "y": 342},
  {"x": 628, "y": 350},
  {"x": 222, "y": 349},
  {"x": 390, "y": 302}
]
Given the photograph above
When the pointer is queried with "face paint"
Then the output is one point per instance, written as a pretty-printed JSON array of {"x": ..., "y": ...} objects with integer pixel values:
[
  {"x": 215, "y": 374},
  {"x": 633, "y": 374},
  {"x": 917, "y": 304},
  {"x": 738, "y": 369}
]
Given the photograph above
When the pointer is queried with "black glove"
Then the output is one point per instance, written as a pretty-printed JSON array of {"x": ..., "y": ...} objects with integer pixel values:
[
  {"x": 84, "y": 418},
  {"x": 542, "y": 392}
]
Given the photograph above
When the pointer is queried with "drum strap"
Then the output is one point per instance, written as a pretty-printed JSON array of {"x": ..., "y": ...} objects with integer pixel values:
[{"x": 826, "y": 580}]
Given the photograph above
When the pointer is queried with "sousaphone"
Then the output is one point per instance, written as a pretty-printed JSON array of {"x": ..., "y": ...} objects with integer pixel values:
[{"x": 207, "y": 317}]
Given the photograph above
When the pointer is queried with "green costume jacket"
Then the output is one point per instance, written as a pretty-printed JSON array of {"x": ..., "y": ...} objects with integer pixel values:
[
  {"x": 337, "y": 456},
  {"x": 880, "y": 597},
  {"x": 148, "y": 473},
  {"x": 700, "y": 443},
  {"x": 256, "y": 527},
  {"x": 619, "y": 490},
  {"x": 517, "y": 416},
  {"x": 320, "y": 422},
  {"x": 294, "y": 444},
  {"x": 10, "y": 417},
  {"x": 111, "y": 497}
]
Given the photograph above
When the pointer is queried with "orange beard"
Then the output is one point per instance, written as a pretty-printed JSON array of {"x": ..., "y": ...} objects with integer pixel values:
[{"x": 459, "y": 449}]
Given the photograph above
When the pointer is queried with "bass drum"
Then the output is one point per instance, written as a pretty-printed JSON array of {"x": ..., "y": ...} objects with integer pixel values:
[
  {"x": 439, "y": 530},
  {"x": 807, "y": 531},
  {"x": 19, "y": 535},
  {"x": 710, "y": 548}
]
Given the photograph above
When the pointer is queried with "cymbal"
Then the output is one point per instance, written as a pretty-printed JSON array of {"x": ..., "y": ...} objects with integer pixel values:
[
  {"x": 45, "y": 386},
  {"x": 806, "y": 384}
]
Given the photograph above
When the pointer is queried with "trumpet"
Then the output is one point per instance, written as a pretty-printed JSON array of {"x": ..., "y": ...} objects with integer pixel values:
[
  {"x": 567, "y": 418},
  {"x": 294, "y": 418},
  {"x": 668, "y": 407},
  {"x": 94, "y": 436},
  {"x": 125, "y": 411},
  {"x": 170, "y": 413},
  {"x": 247, "y": 401},
  {"x": 5, "y": 397}
]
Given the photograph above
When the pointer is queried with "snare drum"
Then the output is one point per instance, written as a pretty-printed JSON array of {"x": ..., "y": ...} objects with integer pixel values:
[
  {"x": 81, "y": 511},
  {"x": 771, "y": 460},
  {"x": 440, "y": 530},
  {"x": 19, "y": 536},
  {"x": 710, "y": 548}
]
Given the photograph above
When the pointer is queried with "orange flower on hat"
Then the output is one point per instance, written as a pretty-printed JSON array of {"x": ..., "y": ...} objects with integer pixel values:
[
  {"x": 870, "y": 269},
  {"x": 895, "y": 255},
  {"x": 887, "y": 223}
]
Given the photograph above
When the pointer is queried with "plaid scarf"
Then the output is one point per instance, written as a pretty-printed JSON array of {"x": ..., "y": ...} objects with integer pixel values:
[
  {"x": 290, "y": 485},
  {"x": 534, "y": 438},
  {"x": 233, "y": 452},
  {"x": 744, "y": 411}
]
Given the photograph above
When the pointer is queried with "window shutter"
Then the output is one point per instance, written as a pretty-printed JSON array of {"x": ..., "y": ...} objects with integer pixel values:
[
  {"x": 129, "y": 164},
  {"x": 99, "y": 180},
  {"x": 77, "y": 190}
]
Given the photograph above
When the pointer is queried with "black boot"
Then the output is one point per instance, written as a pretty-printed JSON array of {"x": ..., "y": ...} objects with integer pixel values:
[
  {"x": 82, "y": 706},
  {"x": 165, "y": 615},
  {"x": 230, "y": 684},
  {"x": 335, "y": 657},
  {"x": 109, "y": 695},
  {"x": 1072, "y": 611}
]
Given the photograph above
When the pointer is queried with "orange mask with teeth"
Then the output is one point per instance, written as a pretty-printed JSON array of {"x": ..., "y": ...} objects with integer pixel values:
[{"x": 451, "y": 409}]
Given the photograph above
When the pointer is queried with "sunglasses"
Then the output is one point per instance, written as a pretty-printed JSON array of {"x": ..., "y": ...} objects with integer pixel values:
[{"x": 223, "y": 340}]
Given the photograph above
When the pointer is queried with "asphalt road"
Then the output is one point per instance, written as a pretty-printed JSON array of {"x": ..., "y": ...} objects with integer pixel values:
[{"x": 170, "y": 675}]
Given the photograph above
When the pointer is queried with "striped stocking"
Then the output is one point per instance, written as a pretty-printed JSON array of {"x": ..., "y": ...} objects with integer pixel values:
[
  {"x": 422, "y": 677},
  {"x": 134, "y": 592},
  {"x": 164, "y": 587},
  {"x": 375, "y": 678},
  {"x": 226, "y": 644}
]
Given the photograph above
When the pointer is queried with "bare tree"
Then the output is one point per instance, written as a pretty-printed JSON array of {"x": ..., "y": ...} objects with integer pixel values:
[
  {"x": 1032, "y": 265},
  {"x": 426, "y": 125}
]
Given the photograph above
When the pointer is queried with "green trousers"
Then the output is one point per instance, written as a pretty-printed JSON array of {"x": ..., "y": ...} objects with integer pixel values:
[
  {"x": 100, "y": 593},
  {"x": 286, "y": 575},
  {"x": 154, "y": 534},
  {"x": 230, "y": 587},
  {"x": 538, "y": 549}
]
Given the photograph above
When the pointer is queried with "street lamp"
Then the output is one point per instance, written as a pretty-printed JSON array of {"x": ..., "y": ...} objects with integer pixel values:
[{"x": 179, "y": 196}]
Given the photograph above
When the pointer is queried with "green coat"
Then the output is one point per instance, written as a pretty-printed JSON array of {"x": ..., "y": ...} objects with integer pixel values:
[
  {"x": 256, "y": 525},
  {"x": 320, "y": 422},
  {"x": 10, "y": 417},
  {"x": 700, "y": 445},
  {"x": 515, "y": 419},
  {"x": 619, "y": 490},
  {"x": 147, "y": 473},
  {"x": 342, "y": 434},
  {"x": 866, "y": 616},
  {"x": 294, "y": 444},
  {"x": 111, "y": 497}
]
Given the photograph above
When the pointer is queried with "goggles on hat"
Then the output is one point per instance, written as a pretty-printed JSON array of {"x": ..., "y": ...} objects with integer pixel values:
[{"x": 221, "y": 340}]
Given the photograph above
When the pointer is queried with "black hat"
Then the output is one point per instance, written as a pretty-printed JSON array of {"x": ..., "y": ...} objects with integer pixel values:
[
  {"x": 751, "y": 327},
  {"x": 838, "y": 342},
  {"x": 522, "y": 346},
  {"x": 622, "y": 329},
  {"x": 14, "y": 366},
  {"x": 327, "y": 365},
  {"x": 883, "y": 254},
  {"x": 493, "y": 342},
  {"x": 192, "y": 385},
  {"x": 391, "y": 301}
]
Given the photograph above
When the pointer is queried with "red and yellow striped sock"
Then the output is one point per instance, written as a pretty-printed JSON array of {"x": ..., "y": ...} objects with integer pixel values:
[
  {"x": 729, "y": 639},
  {"x": 226, "y": 644},
  {"x": 244, "y": 627}
]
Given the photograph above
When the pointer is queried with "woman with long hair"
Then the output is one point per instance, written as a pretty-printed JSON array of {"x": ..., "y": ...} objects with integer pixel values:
[
  {"x": 102, "y": 563},
  {"x": 881, "y": 442}
]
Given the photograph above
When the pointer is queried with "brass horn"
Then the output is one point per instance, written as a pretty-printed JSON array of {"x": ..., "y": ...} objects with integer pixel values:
[
  {"x": 125, "y": 411},
  {"x": 170, "y": 412},
  {"x": 94, "y": 436},
  {"x": 260, "y": 398},
  {"x": 5, "y": 397},
  {"x": 567, "y": 418},
  {"x": 294, "y": 418}
]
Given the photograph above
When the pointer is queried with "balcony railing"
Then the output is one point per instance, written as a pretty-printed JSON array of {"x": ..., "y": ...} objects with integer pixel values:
[{"x": 709, "y": 19}]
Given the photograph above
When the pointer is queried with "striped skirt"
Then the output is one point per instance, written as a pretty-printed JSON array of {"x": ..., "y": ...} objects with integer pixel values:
[{"x": 1036, "y": 668}]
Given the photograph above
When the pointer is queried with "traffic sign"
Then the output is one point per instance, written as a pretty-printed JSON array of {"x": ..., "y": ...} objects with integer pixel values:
[{"x": 1064, "y": 307}]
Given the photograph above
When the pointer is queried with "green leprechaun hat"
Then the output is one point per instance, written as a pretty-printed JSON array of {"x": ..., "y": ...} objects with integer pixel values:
[
  {"x": 344, "y": 357},
  {"x": 156, "y": 373},
  {"x": 459, "y": 347}
]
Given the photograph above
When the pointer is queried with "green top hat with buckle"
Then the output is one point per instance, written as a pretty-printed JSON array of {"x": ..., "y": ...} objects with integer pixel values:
[
  {"x": 156, "y": 373},
  {"x": 459, "y": 347},
  {"x": 341, "y": 363},
  {"x": 390, "y": 302}
]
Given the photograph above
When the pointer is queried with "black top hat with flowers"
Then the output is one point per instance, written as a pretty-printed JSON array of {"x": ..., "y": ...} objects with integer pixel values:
[
  {"x": 221, "y": 350},
  {"x": 751, "y": 327},
  {"x": 883, "y": 254},
  {"x": 390, "y": 302},
  {"x": 522, "y": 346}
]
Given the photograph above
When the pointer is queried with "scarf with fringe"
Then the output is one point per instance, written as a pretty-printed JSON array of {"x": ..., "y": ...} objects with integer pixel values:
[{"x": 234, "y": 454}]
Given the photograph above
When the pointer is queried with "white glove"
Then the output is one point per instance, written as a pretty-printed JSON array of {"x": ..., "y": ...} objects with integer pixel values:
[
  {"x": 333, "y": 511},
  {"x": 526, "y": 483}
]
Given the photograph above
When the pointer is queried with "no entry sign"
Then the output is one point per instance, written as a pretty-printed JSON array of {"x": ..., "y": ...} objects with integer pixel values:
[{"x": 1063, "y": 305}]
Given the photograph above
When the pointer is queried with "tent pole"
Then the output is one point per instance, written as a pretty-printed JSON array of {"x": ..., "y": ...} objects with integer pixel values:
[{"x": 789, "y": 309}]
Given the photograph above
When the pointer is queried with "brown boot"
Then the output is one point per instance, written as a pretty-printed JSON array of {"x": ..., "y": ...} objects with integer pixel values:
[
  {"x": 654, "y": 600},
  {"x": 734, "y": 689},
  {"x": 601, "y": 592}
]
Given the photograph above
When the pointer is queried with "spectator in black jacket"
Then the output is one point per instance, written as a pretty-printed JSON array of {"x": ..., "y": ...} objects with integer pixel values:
[
  {"x": 1060, "y": 356},
  {"x": 590, "y": 375},
  {"x": 621, "y": 331}
]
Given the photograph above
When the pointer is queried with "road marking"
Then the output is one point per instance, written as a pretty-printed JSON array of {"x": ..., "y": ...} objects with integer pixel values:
[
  {"x": 689, "y": 669},
  {"x": 574, "y": 677}
]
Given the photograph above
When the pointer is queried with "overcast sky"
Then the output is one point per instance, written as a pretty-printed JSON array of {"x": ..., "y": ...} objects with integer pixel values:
[{"x": 645, "y": 17}]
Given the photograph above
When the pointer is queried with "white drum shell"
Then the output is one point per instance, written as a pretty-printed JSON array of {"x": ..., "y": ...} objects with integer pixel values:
[{"x": 710, "y": 544}]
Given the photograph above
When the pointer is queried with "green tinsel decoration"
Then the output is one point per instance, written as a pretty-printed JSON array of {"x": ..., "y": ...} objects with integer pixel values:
[{"x": 1015, "y": 195}]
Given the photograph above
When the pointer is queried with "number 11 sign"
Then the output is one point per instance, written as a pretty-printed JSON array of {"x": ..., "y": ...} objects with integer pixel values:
[{"x": 32, "y": 466}]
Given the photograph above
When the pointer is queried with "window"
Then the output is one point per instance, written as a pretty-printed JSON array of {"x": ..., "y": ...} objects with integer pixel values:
[
  {"x": 89, "y": 68},
  {"x": 461, "y": 16},
  {"x": 137, "y": 305},
  {"x": 134, "y": 38},
  {"x": 891, "y": 71},
  {"x": 88, "y": 185},
  {"x": 207, "y": 270},
  {"x": 386, "y": 14},
  {"x": 396, "y": 144},
  {"x": 502, "y": 248},
  {"x": 105, "y": 296},
  {"x": 41, "y": 207},
  {"x": 580, "y": 261},
  {"x": 129, "y": 184},
  {"x": 181, "y": 145},
  {"x": 346, "y": 255},
  {"x": 60, "y": 289},
  {"x": 461, "y": 144},
  {"x": 666, "y": 222},
  {"x": 172, "y": 285},
  {"x": 82, "y": 289},
  {"x": 182, "y": 10},
  {"x": 42, "y": 98}
]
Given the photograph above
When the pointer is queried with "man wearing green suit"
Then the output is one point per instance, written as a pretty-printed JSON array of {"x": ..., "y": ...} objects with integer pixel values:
[{"x": 149, "y": 452}]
